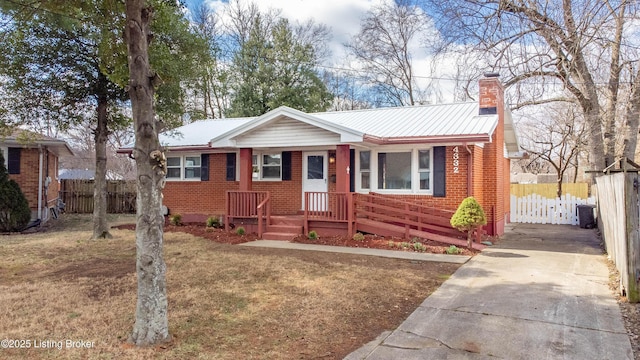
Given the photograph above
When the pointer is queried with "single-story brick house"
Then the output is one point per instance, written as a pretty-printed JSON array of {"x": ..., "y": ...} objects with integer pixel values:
[
  {"x": 431, "y": 156},
  {"x": 32, "y": 161}
]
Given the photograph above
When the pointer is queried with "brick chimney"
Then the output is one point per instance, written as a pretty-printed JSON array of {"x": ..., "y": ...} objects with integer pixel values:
[
  {"x": 491, "y": 94},
  {"x": 495, "y": 169}
]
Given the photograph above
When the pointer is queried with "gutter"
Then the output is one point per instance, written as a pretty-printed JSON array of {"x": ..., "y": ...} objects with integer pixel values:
[{"x": 427, "y": 139}]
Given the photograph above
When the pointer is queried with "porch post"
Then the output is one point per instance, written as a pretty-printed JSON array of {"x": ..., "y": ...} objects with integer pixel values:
[
  {"x": 342, "y": 169},
  {"x": 246, "y": 169}
]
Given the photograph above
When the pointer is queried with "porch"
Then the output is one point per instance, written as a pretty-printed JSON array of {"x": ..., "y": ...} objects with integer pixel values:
[{"x": 341, "y": 213}]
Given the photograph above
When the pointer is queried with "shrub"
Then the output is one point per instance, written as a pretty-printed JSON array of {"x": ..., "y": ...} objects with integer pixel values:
[
  {"x": 175, "y": 219},
  {"x": 313, "y": 235},
  {"x": 14, "y": 208},
  {"x": 469, "y": 217},
  {"x": 392, "y": 243},
  {"x": 358, "y": 237},
  {"x": 452, "y": 250},
  {"x": 240, "y": 231},
  {"x": 418, "y": 246},
  {"x": 213, "y": 221}
]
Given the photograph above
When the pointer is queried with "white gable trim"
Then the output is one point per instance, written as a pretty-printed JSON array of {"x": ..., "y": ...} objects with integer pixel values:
[{"x": 229, "y": 139}]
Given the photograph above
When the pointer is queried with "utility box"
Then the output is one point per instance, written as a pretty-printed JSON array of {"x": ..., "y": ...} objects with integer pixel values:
[{"x": 586, "y": 220}]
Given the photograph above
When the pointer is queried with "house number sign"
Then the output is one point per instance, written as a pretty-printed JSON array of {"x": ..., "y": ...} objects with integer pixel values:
[{"x": 456, "y": 160}]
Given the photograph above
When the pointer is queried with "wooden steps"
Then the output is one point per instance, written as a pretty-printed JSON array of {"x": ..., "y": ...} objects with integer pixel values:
[
  {"x": 386, "y": 229},
  {"x": 284, "y": 228}
]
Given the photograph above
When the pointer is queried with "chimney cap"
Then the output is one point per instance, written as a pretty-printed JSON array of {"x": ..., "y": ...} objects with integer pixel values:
[{"x": 491, "y": 74}]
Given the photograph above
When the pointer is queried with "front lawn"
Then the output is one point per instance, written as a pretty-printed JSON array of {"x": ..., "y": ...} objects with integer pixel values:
[{"x": 225, "y": 301}]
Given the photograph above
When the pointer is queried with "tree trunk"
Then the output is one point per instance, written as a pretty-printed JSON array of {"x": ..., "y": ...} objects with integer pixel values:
[
  {"x": 100, "y": 225},
  {"x": 151, "y": 326},
  {"x": 632, "y": 120}
]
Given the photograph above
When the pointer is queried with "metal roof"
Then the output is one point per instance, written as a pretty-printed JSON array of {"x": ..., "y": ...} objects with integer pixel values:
[
  {"x": 454, "y": 122},
  {"x": 200, "y": 133},
  {"x": 458, "y": 119}
]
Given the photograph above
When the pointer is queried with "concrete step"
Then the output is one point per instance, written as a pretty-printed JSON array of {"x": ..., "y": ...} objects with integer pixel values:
[
  {"x": 278, "y": 236},
  {"x": 291, "y": 229}
]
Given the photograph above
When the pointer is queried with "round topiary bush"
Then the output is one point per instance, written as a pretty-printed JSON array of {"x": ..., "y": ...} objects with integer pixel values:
[
  {"x": 14, "y": 208},
  {"x": 469, "y": 217}
]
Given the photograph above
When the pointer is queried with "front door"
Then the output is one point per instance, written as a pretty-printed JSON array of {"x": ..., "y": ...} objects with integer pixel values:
[{"x": 314, "y": 179}]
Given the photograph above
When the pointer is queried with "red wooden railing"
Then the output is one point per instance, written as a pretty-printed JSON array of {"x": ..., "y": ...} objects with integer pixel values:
[
  {"x": 404, "y": 213},
  {"x": 325, "y": 206},
  {"x": 247, "y": 204},
  {"x": 264, "y": 210}
]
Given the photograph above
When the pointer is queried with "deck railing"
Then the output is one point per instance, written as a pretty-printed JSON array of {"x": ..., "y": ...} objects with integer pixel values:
[
  {"x": 244, "y": 204},
  {"x": 405, "y": 213},
  {"x": 264, "y": 212},
  {"x": 328, "y": 206}
]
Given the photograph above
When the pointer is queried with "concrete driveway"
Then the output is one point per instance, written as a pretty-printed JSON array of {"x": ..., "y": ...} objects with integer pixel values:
[{"x": 542, "y": 293}]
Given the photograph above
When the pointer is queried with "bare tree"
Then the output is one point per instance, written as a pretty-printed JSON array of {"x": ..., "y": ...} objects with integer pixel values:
[
  {"x": 212, "y": 91},
  {"x": 556, "y": 137},
  {"x": 574, "y": 51},
  {"x": 384, "y": 46},
  {"x": 151, "y": 324}
]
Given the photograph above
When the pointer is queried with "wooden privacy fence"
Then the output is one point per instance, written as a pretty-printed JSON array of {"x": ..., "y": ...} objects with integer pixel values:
[
  {"x": 619, "y": 221},
  {"x": 77, "y": 196},
  {"x": 550, "y": 191},
  {"x": 537, "y": 209}
]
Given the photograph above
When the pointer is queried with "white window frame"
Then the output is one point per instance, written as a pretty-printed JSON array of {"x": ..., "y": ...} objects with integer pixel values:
[
  {"x": 415, "y": 171},
  {"x": 259, "y": 156},
  {"x": 183, "y": 162}
]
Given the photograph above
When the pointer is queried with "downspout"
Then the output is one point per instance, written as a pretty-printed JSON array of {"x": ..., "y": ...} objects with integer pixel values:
[
  {"x": 40, "y": 160},
  {"x": 469, "y": 170}
]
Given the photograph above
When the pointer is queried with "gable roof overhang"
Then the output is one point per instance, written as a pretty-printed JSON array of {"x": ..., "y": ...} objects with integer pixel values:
[
  {"x": 29, "y": 139},
  {"x": 511, "y": 143},
  {"x": 229, "y": 138}
]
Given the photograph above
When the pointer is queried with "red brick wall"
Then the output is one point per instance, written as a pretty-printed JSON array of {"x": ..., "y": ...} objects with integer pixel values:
[
  {"x": 208, "y": 197},
  {"x": 28, "y": 177}
]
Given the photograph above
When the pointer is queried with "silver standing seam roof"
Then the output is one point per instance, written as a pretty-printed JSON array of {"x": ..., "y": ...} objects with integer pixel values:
[{"x": 456, "y": 121}]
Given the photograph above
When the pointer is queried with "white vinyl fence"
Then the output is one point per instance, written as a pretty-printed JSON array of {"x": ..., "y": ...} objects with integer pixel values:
[{"x": 536, "y": 209}]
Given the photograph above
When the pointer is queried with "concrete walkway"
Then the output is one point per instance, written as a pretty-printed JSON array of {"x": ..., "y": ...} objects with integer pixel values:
[
  {"x": 541, "y": 294},
  {"x": 408, "y": 255}
]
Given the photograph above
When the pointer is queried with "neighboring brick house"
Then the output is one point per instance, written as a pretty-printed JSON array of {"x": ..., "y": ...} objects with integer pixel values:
[
  {"x": 434, "y": 155},
  {"x": 32, "y": 161}
]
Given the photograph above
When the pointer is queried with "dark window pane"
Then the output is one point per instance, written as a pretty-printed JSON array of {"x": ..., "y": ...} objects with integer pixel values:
[
  {"x": 424, "y": 180},
  {"x": 271, "y": 172},
  {"x": 173, "y": 173},
  {"x": 423, "y": 157},
  {"x": 394, "y": 170},
  {"x": 365, "y": 160},
  {"x": 173, "y": 161},
  {"x": 315, "y": 167},
  {"x": 190, "y": 173},
  {"x": 365, "y": 181}
]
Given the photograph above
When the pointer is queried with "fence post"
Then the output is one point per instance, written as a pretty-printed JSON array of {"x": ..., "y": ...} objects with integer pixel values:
[{"x": 633, "y": 238}]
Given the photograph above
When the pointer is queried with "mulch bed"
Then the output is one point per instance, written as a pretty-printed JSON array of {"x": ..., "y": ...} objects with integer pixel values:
[{"x": 370, "y": 241}]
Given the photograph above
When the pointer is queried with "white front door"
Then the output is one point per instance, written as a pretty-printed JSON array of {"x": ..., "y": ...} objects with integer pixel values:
[{"x": 314, "y": 178}]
